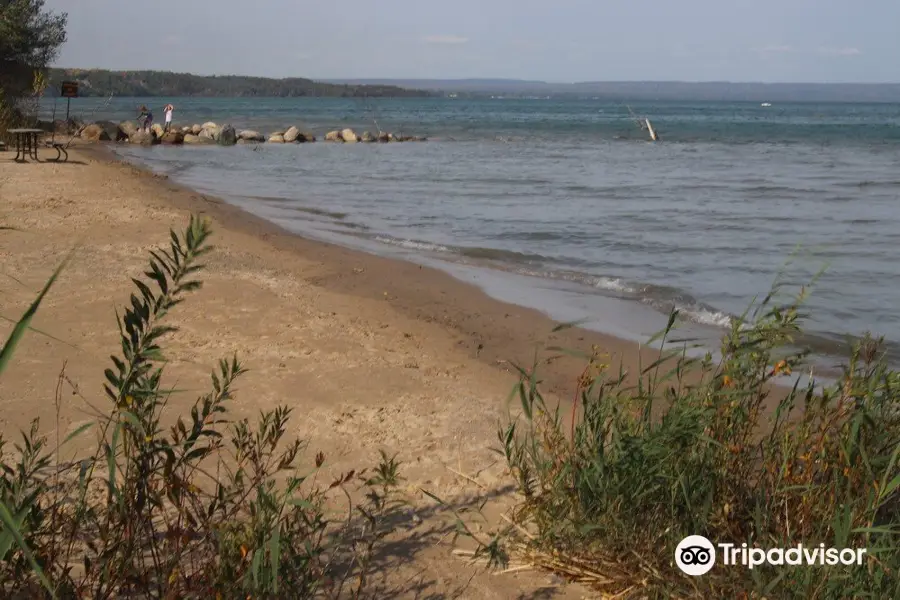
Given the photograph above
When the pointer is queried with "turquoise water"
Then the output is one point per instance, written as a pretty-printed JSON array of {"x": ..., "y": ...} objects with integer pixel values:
[{"x": 570, "y": 198}]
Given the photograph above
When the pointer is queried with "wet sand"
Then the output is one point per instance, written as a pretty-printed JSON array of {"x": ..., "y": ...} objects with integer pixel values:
[{"x": 372, "y": 353}]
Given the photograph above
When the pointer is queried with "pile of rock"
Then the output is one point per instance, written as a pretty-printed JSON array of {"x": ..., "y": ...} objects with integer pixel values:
[
  {"x": 209, "y": 133},
  {"x": 350, "y": 136},
  {"x": 224, "y": 135},
  {"x": 292, "y": 135}
]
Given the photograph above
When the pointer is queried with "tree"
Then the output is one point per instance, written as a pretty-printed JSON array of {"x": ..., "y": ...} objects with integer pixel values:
[{"x": 30, "y": 39}]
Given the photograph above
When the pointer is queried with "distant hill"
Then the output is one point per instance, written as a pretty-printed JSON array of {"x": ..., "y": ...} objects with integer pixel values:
[
  {"x": 654, "y": 90},
  {"x": 97, "y": 82}
]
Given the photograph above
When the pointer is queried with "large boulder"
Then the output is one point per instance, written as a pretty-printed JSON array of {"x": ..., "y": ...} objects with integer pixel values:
[
  {"x": 192, "y": 139},
  {"x": 348, "y": 135},
  {"x": 367, "y": 137},
  {"x": 196, "y": 129},
  {"x": 157, "y": 129},
  {"x": 227, "y": 136},
  {"x": 187, "y": 129},
  {"x": 333, "y": 136},
  {"x": 126, "y": 130},
  {"x": 209, "y": 125},
  {"x": 143, "y": 138},
  {"x": 173, "y": 137},
  {"x": 276, "y": 138},
  {"x": 95, "y": 133},
  {"x": 291, "y": 134},
  {"x": 210, "y": 134},
  {"x": 384, "y": 137},
  {"x": 306, "y": 136},
  {"x": 248, "y": 135}
]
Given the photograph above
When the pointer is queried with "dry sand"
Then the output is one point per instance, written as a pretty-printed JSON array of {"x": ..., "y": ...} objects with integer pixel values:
[{"x": 372, "y": 353}]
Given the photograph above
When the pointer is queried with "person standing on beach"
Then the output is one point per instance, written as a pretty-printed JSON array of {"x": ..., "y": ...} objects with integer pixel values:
[
  {"x": 145, "y": 118},
  {"x": 168, "y": 110}
]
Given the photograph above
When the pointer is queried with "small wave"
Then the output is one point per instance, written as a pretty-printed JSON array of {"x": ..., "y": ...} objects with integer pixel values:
[
  {"x": 412, "y": 244},
  {"x": 614, "y": 284},
  {"x": 498, "y": 254},
  {"x": 705, "y": 316},
  {"x": 319, "y": 212}
]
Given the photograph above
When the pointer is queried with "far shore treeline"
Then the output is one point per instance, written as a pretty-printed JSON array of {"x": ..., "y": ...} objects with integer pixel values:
[{"x": 101, "y": 82}]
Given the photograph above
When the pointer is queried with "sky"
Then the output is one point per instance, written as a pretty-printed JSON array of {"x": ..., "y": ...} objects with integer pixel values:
[{"x": 548, "y": 40}]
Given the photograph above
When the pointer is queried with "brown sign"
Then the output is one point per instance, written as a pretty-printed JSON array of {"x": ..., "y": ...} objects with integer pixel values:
[{"x": 69, "y": 89}]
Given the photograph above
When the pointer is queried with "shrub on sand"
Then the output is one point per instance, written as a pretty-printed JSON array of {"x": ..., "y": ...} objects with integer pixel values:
[
  {"x": 206, "y": 508},
  {"x": 712, "y": 447}
]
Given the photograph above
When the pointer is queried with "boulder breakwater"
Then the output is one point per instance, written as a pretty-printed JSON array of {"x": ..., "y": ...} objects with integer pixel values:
[{"x": 223, "y": 135}]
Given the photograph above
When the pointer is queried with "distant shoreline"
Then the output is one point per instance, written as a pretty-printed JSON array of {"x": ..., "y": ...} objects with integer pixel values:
[{"x": 102, "y": 82}]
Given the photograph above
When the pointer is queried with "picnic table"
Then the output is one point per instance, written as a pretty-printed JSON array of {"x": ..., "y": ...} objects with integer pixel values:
[{"x": 26, "y": 143}]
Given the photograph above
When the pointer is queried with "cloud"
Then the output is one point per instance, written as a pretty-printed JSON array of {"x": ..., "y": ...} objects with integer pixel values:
[
  {"x": 171, "y": 40},
  {"x": 444, "y": 39},
  {"x": 840, "y": 51}
]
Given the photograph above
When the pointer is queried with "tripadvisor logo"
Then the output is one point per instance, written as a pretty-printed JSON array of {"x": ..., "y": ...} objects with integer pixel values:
[{"x": 696, "y": 555}]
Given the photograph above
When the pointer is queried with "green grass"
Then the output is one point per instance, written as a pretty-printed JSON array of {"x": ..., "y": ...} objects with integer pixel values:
[
  {"x": 208, "y": 507},
  {"x": 704, "y": 447}
]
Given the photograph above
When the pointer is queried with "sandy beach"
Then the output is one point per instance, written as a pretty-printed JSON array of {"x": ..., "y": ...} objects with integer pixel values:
[{"x": 372, "y": 353}]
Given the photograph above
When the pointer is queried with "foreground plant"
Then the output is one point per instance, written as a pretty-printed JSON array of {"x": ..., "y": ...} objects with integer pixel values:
[
  {"x": 207, "y": 507},
  {"x": 713, "y": 448}
]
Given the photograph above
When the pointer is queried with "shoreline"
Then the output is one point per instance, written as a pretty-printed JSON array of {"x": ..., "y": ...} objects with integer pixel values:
[
  {"x": 492, "y": 330},
  {"x": 371, "y": 353}
]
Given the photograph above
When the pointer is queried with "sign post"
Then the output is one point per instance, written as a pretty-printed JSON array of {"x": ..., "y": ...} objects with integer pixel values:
[{"x": 69, "y": 91}]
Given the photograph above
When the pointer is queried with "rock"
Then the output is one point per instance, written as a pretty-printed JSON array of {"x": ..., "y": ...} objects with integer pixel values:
[
  {"x": 143, "y": 138},
  {"x": 248, "y": 135},
  {"x": 333, "y": 136},
  {"x": 173, "y": 137},
  {"x": 196, "y": 129},
  {"x": 209, "y": 125},
  {"x": 367, "y": 137},
  {"x": 306, "y": 136},
  {"x": 94, "y": 133},
  {"x": 227, "y": 136},
  {"x": 210, "y": 134},
  {"x": 187, "y": 129},
  {"x": 276, "y": 138},
  {"x": 291, "y": 134},
  {"x": 348, "y": 135},
  {"x": 190, "y": 138},
  {"x": 384, "y": 137},
  {"x": 157, "y": 129},
  {"x": 126, "y": 130},
  {"x": 111, "y": 129},
  {"x": 410, "y": 138}
]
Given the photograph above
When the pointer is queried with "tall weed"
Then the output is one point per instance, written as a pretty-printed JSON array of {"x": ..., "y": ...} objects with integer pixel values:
[
  {"x": 208, "y": 507},
  {"x": 714, "y": 448}
]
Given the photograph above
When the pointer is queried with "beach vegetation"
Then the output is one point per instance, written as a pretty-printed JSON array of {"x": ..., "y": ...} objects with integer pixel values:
[
  {"x": 696, "y": 444},
  {"x": 30, "y": 39},
  {"x": 194, "y": 505}
]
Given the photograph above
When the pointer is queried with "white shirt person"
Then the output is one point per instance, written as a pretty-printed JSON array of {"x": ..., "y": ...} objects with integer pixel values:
[{"x": 168, "y": 110}]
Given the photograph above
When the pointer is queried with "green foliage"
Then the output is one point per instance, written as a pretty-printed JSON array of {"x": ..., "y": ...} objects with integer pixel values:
[
  {"x": 98, "y": 82},
  {"x": 713, "y": 447},
  {"x": 30, "y": 38},
  {"x": 205, "y": 507}
]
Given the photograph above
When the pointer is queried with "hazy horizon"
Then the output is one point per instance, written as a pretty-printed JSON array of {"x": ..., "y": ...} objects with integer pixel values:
[
  {"x": 568, "y": 41},
  {"x": 501, "y": 78}
]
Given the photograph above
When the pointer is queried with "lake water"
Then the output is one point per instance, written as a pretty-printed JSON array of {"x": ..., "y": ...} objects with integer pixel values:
[{"x": 568, "y": 199}]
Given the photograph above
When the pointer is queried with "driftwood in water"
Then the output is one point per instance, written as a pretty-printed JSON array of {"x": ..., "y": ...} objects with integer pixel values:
[
  {"x": 644, "y": 123},
  {"x": 653, "y": 136}
]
